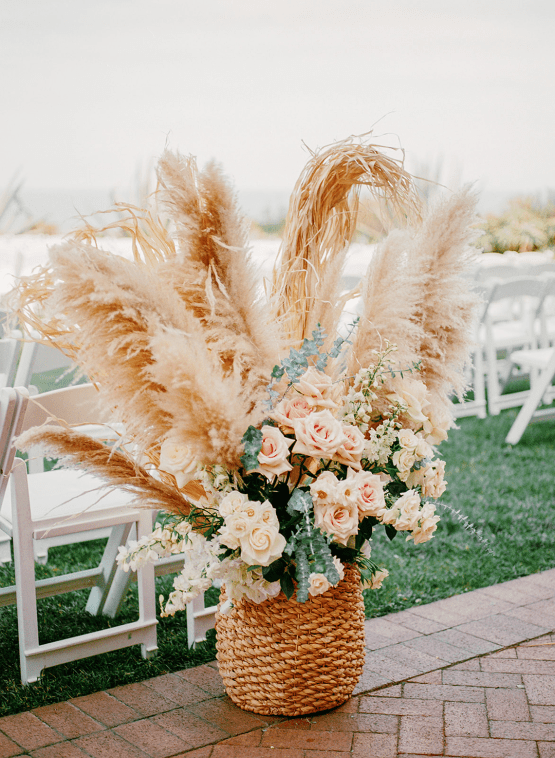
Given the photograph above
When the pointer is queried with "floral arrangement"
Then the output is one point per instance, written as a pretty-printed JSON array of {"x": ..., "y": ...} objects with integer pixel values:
[
  {"x": 323, "y": 469},
  {"x": 272, "y": 445}
]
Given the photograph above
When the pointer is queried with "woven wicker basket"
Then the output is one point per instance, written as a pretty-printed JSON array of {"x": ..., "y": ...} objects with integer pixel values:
[{"x": 286, "y": 658}]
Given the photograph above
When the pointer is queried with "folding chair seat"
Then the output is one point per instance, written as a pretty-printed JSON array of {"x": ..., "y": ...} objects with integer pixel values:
[
  {"x": 71, "y": 406},
  {"x": 65, "y": 505}
]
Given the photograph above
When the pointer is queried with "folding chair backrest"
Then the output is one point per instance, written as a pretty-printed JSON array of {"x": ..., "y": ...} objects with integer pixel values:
[
  {"x": 514, "y": 289},
  {"x": 9, "y": 353},
  {"x": 542, "y": 268},
  {"x": 501, "y": 271},
  {"x": 37, "y": 358},
  {"x": 12, "y": 411}
]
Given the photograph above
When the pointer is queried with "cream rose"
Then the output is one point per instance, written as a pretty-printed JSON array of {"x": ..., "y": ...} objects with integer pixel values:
[
  {"x": 268, "y": 515},
  {"x": 408, "y": 506},
  {"x": 412, "y": 393},
  {"x": 370, "y": 495},
  {"x": 317, "y": 388},
  {"x": 338, "y": 519},
  {"x": 177, "y": 459},
  {"x": 262, "y": 546},
  {"x": 318, "y": 584},
  {"x": 407, "y": 439},
  {"x": 324, "y": 489},
  {"x": 423, "y": 449},
  {"x": 430, "y": 478},
  {"x": 274, "y": 452},
  {"x": 403, "y": 460},
  {"x": 427, "y": 525},
  {"x": 318, "y": 435},
  {"x": 350, "y": 452},
  {"x": 233, "y": 502},
  {"x": 437, "y": 423},
  {"x": 289, "y": 409},
  {"x": 376, "y": 581}
]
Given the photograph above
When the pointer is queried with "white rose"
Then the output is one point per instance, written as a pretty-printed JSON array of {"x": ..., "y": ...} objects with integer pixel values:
[
  {"x": 430, "y": 478},
  {"x": 412, "y": 393},
  {"x": 262, "y": 546},
  {"x": 318, "y": 435},
  {"x": 423, "y": 449},
  {"x": 268, "y": 515},
  {"x": 177, "y": 459},
  {"x": 274, "y": 453},
  {"x": 437, "y": 423}
]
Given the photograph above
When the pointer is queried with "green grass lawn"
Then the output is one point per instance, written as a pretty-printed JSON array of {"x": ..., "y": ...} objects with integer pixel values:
[{"x": 507, "y": 493}]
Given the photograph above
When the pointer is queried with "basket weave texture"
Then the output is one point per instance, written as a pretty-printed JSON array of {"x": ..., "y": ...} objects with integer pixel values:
[{"x": 286, "y": 658}]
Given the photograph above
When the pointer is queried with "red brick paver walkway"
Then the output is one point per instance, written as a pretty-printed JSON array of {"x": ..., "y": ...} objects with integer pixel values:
[{"x": 468, "y": 677}]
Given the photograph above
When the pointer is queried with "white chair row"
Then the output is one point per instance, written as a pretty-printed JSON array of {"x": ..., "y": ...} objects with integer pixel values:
[
  {"x": 63, "y": 504},
  {"x": 517, "y": 314},
  {"x": 63, "y": 507}
]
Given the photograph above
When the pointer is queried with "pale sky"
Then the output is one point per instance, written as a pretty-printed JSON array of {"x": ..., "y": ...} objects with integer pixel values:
[{"x": 90, "y": 89}]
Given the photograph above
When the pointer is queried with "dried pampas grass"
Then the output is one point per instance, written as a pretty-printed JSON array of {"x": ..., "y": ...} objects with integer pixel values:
[
  {"x": 417, "y": 296},
  {"x": 115, "y": 468},
  {"x": 178, "y": 340},
  {"x": 320, "y": 225}
]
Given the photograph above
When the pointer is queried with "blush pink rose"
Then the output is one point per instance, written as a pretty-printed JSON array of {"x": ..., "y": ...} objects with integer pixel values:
[
  {"x": 274, "y": 453},
  {"x": 319, "y": 435},
  {"x": 350, "y": 452},
  {"x": 318, "y": 388},
  {"x": 338, "y": 519},
  {"x": 290, "y": 408},
  {"x": 370, "y": 498}
]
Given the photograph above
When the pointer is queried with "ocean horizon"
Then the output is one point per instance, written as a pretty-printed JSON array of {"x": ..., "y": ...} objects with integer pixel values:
[{"x": 63, "y": 207}]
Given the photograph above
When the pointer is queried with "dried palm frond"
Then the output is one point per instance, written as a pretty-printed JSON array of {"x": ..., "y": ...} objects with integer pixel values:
[
  {"x": 320, "y": 224},
  {"x": 114, "y": 467}
]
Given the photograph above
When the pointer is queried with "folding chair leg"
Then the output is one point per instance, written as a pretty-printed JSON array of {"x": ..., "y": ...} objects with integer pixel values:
[
  {"x": 99, "y": 594},
  {"x": 147, "y": 591},
  {"x": 5, "y": 548},
  {"x": 24, "y": 565},
  {"x": 538, "y": 390}
]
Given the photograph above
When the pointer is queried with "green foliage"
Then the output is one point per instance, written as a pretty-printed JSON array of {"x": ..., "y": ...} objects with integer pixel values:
[
  {"x": 506, "y": 492},
  {"x": 527, "y": 225},
  {"x": 252, "y": 442}
]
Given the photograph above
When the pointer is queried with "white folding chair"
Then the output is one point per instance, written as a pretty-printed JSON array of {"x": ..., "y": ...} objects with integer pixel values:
[
  {"x": 10, "y": 348},
  {"x": 476, "y": 370},
  {"x": 200, "y": 618},
  {"x": 64, "y": 504},
  {"x": 519, "y": 300},
  {"x": 73, "y": 405},
  {"x": 37, "y": 358},
  {"x": 543, "y": 359}
]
